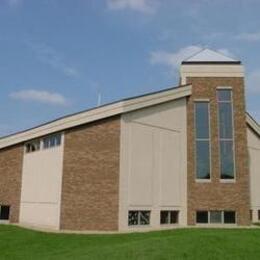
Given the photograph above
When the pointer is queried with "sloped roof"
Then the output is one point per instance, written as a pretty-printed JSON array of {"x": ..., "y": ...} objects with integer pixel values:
[
  {"x": 253, "y": 124},
  {"x": 105, "y": 111},
  {"x": 210, "y": 56}
]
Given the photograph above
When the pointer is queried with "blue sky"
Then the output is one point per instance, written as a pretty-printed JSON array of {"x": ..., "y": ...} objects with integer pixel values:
[{"x": 57, "y": 55}]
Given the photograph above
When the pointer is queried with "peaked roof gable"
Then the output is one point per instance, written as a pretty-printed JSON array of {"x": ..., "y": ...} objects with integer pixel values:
[{"x": 210, "y": 56}]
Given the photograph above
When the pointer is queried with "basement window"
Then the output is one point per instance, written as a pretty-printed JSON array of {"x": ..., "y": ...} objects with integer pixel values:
[
  {"x": 136, "y": 217},
  {"x": 216, "y": 217},
  {"x": 229, "y": 217},
  {"x": 32, "y": 146},
  {"x": 169, "y": 217},
  {"x": 202, "y": 217},
  {"x": 51, "y": 141},
  {"x": 4, "y": 212}
]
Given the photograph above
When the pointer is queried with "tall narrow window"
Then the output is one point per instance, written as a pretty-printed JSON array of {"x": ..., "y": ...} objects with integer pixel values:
[
  {"x": 202, "y": 140},
  {"x": 226, "y": 139}
]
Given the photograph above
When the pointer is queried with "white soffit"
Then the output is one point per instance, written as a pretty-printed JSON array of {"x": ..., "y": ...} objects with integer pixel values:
[{"x": 98, "y": 113}]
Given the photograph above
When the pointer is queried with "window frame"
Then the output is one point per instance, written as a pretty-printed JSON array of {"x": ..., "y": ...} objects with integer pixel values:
[
  {"x": 9, "y": 210},
  {"x": 40, "y": 140},
  {"x": 48, "y": 138},
  {"x": 169, "y": 212},
  {"x": 139, "y": 218},
  {"x": 233, "y": 211},
  {"x": 229, "y": 88},
  {"x": 202, "y": 223},
  {"x": 196, "y": 101},
  {"x": 221, "y": 217},
  {"x": 222, "y": 212},
  {"x": 34, "y": 141}
]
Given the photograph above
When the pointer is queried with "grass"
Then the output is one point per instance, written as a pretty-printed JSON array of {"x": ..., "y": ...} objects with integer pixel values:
[{"x": 18, "y": 243}]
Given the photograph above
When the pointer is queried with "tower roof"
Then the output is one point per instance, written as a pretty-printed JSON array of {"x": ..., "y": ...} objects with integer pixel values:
[{"x": 207, "y": 56}]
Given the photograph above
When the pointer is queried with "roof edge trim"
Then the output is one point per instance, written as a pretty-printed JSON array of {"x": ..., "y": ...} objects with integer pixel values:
[
  {"x": 253, "y": 124},
  {"x": 211, "y": 62},
  {"x": 113, "y": 109}
]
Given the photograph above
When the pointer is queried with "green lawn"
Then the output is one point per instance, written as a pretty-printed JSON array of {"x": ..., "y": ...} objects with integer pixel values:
[{"x": 18, "y": 243}]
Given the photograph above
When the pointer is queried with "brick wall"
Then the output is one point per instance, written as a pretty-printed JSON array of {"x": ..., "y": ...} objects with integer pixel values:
[
  {"x": 90, "y": 189},
  {"x": 10, "y": 179},
  {"x": 216, "y": 195}
]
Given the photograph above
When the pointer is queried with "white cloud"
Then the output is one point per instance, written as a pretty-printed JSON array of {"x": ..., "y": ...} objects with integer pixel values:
[
  {"x": 173, "y": 59},
  {"x": 253, "y": 82},
  {"x": 144, "y": 6},
  {"x": 41, "y": 96},
  {"x": 51, "y": 57},
  {"x": 249, "y": 37},
  {"x": 227, "y": 53}
]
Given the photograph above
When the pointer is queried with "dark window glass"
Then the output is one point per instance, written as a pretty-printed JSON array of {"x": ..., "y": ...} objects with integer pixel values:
[
  {"x": 165, "y": 217},
  {"x": 227, "y": 160},
  {"x": 258, "y": 214},
  {"x": 225, "y": 114},
  {"x": 202, "y": 159},
  {"x": 224, "y": 95},
  {"x": 215, "y": 217},
  {"x": 225, "y": 121},
  {"x": 138, "y": 217},
  {"x": 132, "y": 218},
  {"x": 202, "y": 140},
  {"x": 202, "y": 120},
  {"x": 32, "y": 146},
  {"x": 202, "y": 217},
  {"x": 4, "y": 212},
  {"x": 229, "y": 217},
  {"x": 144, "y": 217},
  {"x": 52, "y": 141},
  {"x": 174, "y": 217},
  {"x": 169, "y": 217}
]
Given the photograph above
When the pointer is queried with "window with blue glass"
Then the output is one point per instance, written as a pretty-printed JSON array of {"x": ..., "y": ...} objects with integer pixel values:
[
  {"x": 226, "y": 138},
  {"x": 202, "y": 131}
]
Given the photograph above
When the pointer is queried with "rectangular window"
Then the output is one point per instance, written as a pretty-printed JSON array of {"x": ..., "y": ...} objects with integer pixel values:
[
  {"x": 51, "y": 141},
  {"x": 4, "y": 212},
  {"x": 202, "y": 217},
  {"x": 226, "y": 136},
  {"x": 202, "y": 127},
  {"x": 216, "y": 217},
  {"x": 169, "y": 217},
  {"x": 32, "y": 146},
  {"x": 229, "y": 217},
  {"x": 258, "y": 214},
  {"x": 138, "y": 218}
]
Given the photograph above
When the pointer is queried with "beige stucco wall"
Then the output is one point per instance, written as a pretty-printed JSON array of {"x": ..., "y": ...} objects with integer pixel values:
[
  {"x": 254, "y": 166},
  {"x": 205, "y": 70},
  {"x": 153, "y": 164},
  {"x": 41, "y": 187}
]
